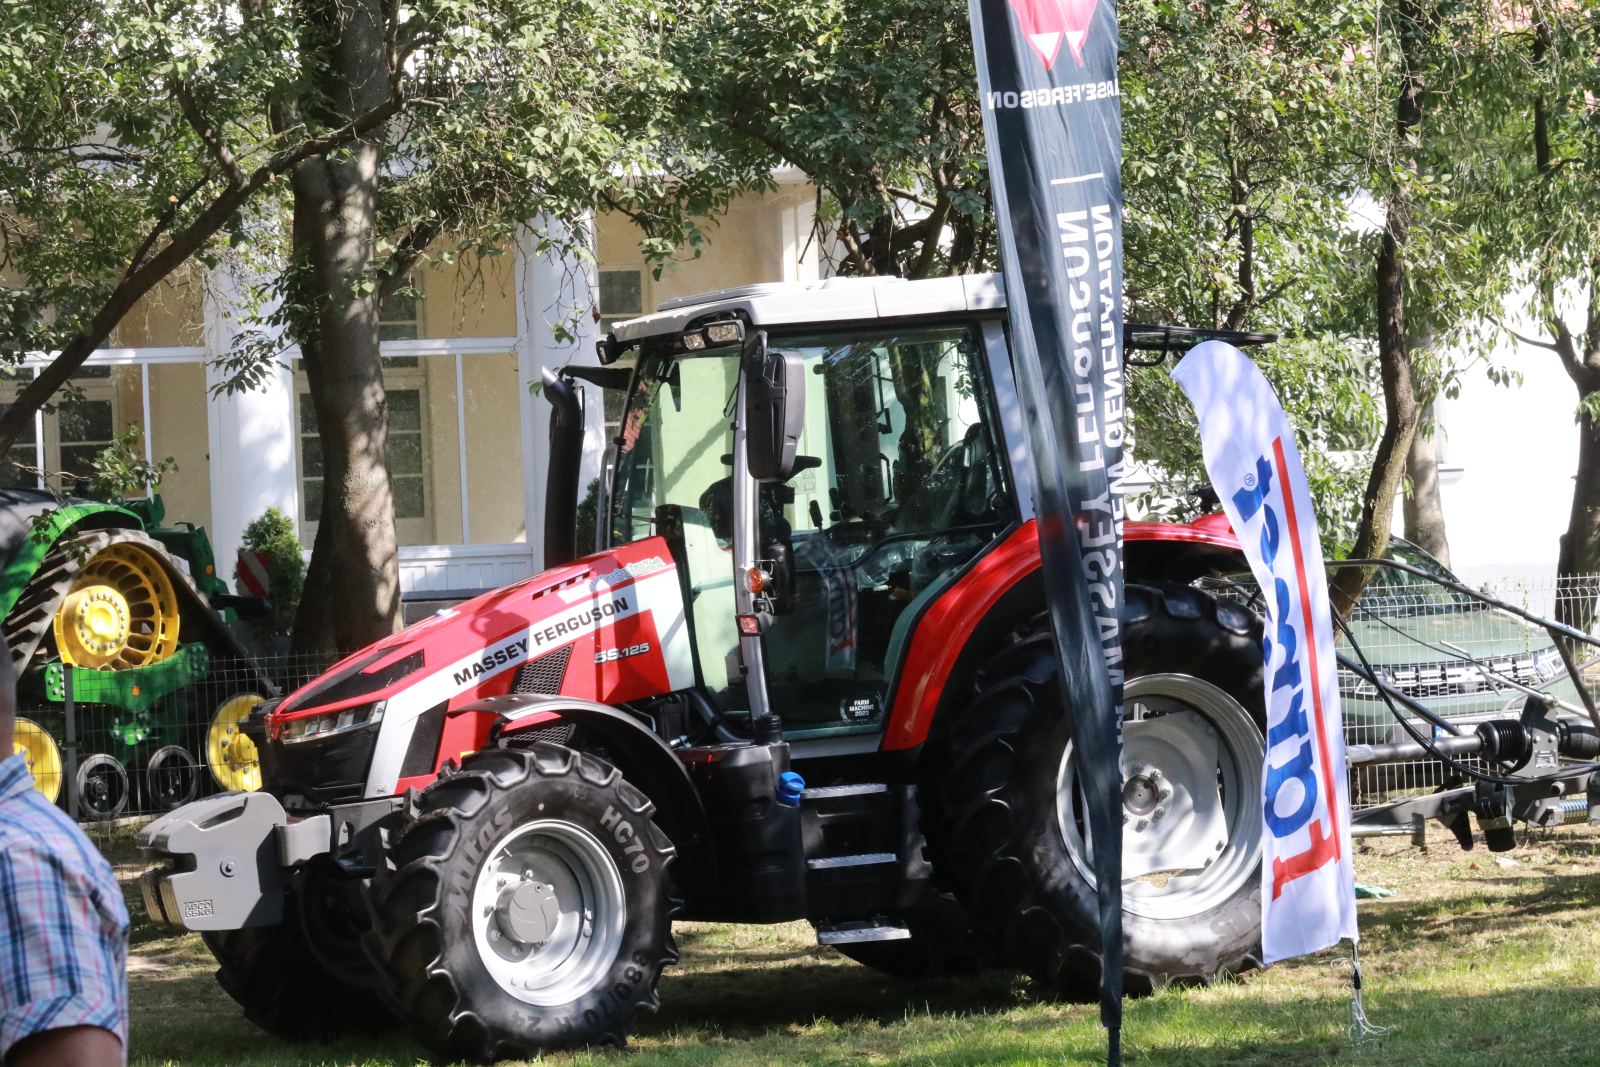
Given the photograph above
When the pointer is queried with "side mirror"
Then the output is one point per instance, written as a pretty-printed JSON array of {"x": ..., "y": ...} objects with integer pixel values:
[{"x": 774, "y": 408}]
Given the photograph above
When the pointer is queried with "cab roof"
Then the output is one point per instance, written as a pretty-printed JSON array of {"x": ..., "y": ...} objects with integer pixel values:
[{"x": 822, "y": 302}]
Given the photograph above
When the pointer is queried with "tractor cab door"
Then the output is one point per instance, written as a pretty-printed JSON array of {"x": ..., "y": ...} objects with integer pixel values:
[
  {"x": 899, "y": 484},
  {"x": 672, "y": 468}
]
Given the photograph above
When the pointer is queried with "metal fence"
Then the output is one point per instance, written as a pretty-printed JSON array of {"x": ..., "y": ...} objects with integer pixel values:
[
  {"x": 1462, "y": 659},
  {"x": 108, "y": 749},
  {"x": 108, "y": 752}
]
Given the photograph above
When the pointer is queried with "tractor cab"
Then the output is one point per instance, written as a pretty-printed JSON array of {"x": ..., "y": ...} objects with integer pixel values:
[{"x": 865, "y": 473}]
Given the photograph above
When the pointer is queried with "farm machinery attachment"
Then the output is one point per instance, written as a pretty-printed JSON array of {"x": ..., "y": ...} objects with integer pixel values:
[{"x": 119, "y": 630}]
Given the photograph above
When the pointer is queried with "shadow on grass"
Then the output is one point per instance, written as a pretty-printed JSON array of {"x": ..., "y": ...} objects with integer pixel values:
[
  {"x": 1538, "y": 896},
  {"x": 780, "y": 1002}
]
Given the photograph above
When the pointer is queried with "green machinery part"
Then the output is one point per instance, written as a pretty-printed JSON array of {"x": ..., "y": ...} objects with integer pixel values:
[{"x": 137, "y": 692}]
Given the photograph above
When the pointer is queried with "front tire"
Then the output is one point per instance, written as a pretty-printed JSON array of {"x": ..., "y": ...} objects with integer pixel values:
[
  {"x": 528, "y": 907},
  {"x": 1016, "y": 839}
]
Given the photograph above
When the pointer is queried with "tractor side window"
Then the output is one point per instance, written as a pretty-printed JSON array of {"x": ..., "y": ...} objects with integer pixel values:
[{"x": 901, "y": 488}]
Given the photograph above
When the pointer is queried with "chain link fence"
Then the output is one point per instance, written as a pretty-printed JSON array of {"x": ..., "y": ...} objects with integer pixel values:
[
  {"x": 109, "y": 750},
  {"x": 114, "y": 746}
]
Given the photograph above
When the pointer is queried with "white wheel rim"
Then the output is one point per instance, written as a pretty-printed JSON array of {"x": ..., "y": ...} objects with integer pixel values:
[
  {"x": 548, "y": 912},
  {"x": 1199, "y": 868}
]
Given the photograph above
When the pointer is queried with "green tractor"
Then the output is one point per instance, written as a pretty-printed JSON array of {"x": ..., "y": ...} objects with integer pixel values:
[{"x": 131, "y": 683}]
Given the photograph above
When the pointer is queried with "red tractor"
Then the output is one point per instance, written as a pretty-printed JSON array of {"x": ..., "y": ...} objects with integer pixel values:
[{"x": 804, "y": 673}]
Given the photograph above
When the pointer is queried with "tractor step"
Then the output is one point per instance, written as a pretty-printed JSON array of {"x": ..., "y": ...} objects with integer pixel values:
[
  {"x": 859, "y": 930},
  {"x": 830, "y": 792},
  {"x": 860, "y": 859}
]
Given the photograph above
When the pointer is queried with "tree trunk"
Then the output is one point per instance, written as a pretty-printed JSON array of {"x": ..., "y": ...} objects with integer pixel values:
[
  {"x": 1394, "y": 360},
  {"x": 1579, "y": 562},
  {"x": 1424, "y": 510},
  {"x": 352, "y": 589}
]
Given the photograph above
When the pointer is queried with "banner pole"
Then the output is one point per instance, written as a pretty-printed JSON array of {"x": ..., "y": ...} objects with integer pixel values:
[{"x": 1047, "y": 80}]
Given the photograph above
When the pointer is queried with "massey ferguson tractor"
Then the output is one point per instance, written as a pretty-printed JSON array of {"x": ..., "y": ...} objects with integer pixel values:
[{"x": 804, "y": 673}]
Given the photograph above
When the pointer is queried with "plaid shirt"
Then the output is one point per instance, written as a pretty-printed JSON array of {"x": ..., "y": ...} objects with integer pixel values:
[{"x": 63, "y": 926}]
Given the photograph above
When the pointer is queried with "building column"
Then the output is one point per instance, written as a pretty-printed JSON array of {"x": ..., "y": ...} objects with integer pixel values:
[
  {"x": 556, "y": 297},
  {"x": 251, "y": 434}
]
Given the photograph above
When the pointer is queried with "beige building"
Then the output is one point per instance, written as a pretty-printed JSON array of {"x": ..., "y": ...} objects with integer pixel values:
[{"x": 466, "y": 431}]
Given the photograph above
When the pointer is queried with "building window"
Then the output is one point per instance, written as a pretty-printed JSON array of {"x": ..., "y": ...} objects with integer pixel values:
[
  {"x": 397, "y": 317},
  {"x": 78, "y": 425},
  {"x": 407, "y": 469},
  {"x": 86, "y": 427},
  {"x": 26, "y": 451},
  {"x": 621, "y": 296}
]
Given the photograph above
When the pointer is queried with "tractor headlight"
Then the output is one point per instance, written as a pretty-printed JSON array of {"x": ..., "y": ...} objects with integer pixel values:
[{"x": 327, "y": 724}]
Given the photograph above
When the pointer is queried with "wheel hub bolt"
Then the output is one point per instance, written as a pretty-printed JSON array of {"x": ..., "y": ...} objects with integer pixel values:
[
  {"x": 1141, "y": 824},
  {"x": 1160, "y": 812}
]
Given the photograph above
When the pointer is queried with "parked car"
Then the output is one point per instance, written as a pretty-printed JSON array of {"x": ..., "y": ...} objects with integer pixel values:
[{"x": 1420, "y": 635}]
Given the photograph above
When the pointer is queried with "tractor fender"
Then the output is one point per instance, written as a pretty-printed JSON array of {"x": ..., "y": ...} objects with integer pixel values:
[
  {"x": 959, "y": 631},
  {"x": 641, "y": 755}
]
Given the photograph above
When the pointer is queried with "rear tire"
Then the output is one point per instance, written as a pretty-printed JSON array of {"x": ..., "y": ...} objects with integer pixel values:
[
  {"x": 488, "y": 962},
  {"x": 1014, "y": 842},
  {"x": 306, "y": 977}
]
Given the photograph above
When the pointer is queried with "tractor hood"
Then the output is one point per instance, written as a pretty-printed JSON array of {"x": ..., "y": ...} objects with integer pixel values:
[{"x": 608, "y": 627}]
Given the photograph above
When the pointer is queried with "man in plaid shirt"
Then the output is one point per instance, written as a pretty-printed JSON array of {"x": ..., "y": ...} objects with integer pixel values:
[{"x": 63, "y": 926}]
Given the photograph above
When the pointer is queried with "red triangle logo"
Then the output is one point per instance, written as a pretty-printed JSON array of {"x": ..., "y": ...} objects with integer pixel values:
[{"x": 1046, "y": 23}]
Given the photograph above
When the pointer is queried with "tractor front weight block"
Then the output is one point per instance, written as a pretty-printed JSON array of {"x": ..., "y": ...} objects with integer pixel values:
[{"x": 224, "y": 861}]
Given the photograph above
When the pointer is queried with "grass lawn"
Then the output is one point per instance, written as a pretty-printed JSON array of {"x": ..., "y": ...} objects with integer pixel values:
[{"x": 1476, "y": 960}]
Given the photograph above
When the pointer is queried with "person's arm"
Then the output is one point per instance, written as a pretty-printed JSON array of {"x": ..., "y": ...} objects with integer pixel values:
[
  {"x": 63, "y": 917},
  {"x": 81, "y": 1046}
]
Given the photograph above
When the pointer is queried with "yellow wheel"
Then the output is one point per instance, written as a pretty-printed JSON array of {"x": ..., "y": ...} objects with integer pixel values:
[
  {"x": 35, "y": 745},
  {"x": 232, "y": 757},
  {"x": 120, "y": 612}
]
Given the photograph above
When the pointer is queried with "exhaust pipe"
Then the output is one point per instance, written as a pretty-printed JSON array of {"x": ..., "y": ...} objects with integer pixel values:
[{"x": 562, "y": 470}]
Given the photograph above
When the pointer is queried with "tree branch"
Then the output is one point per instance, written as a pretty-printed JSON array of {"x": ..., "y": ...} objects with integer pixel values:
[{"x": 205, "y": 131}]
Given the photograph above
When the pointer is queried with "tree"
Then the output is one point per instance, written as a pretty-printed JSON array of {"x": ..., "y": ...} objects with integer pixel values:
[
  {"x": 1542, "y": 93},
  {"x": 526, "y": 117},
  {"x": 156, "y": 134},
  {"x": 877, "y": 103},
  {"x": 1245, "y": 130},
  {"x": 132, "y": 140}
]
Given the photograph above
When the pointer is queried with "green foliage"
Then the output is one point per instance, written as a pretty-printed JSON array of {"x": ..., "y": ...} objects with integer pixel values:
[
  {"x": 876, "y": 103},
  {"x": 519, "y": 120},
  {"x": 120, "y": 471},
  {"x": 1327, "y": 386},
  {"x": 273, "y": 532}
]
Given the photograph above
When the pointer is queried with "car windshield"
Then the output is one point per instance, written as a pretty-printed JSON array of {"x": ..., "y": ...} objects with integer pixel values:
[{"x": 1393, "y": 591}]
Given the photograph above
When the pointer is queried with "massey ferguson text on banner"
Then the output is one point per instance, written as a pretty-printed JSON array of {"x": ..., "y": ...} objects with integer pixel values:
[
  {"x": 1307, "y": 881},
  {"x": 1047, "y": 75}
]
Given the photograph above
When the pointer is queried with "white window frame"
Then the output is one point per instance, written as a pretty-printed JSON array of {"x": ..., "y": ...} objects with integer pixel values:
[{"x": 417, "y": 530}]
